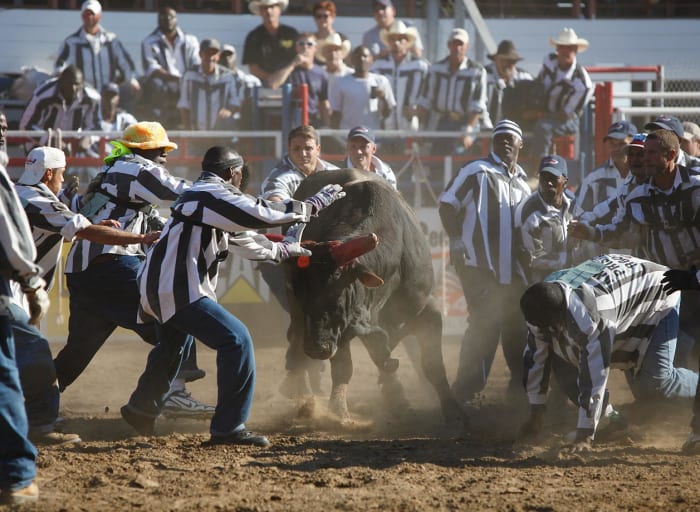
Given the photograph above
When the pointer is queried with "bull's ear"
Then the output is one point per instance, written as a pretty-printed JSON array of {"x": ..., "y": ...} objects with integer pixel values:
[{"x": 370, "y": 279}]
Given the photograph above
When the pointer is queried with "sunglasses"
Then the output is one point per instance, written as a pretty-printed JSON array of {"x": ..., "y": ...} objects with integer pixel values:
[
  {"x": 322, "y": 16},
  {"x": 306, "y": 43}
]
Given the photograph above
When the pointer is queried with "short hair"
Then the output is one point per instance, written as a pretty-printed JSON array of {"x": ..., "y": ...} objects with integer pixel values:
[
  {"x": 543, "y": 304},
  {"x": 306, "y": 131},
  {"x": 220, "y": 158},
  {"x": 326, "y": 5},
  {"x": 668, "y": 140},
  {"x": 358, "y": 49},
  {"x": 306, "y": 35}
]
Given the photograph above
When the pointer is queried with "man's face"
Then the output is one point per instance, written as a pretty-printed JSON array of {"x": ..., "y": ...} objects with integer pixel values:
[
  {"x": 617, "y": 147},
  {"x": 324, "y": 19},
  {"x": 551, "y": 187},
  {"x": 635, "y": 160},
  {"x": 505, "y": 67},
  {"x": 209, "y": 59},
  {"x": 306, "y": 46},
  {"x": 362, "y": 60},
  {"x": 271, "y": 15},
  {"x": 360, "y": 152},
  {"x": 53, "y": 179},
  {"x": 167, "y": 20},
  {"x": 333, "y": 55},
  {"x": 90, "y": 20},
  {"x": 304, "y": 152},
  {"x": 691, "y": 147},
  {"x": 458, "y": 49},
  {"x": 507, "y": 147},
  {"x": 237, "y": 176},
  {"x": 398, "y": 46},
  {"x": 3, "y": 130},
  {"x": 70, "y": 85},
  {"x": 157, "y": 155},
  {"x": 384, "y": 15},
  {"x": 227, "y": 60},
  {"x": 566, "y": 55},
  {"x": 655, "y": 157},
  {"x": 110, "y": 101}
]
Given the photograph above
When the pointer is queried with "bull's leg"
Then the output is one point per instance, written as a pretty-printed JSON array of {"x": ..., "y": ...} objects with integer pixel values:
[
  {"x": 341, "y": 371},
  {"x": 393, "y": 393},
  {"x": 428, "y": 331},
  {"x": 296, "y": 361},
  {"x": 377, "y": 344}
]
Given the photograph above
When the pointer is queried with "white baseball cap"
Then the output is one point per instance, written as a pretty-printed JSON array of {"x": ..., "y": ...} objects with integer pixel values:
[
  {"x": 92, "y": 5},
  {"x": 38, "y": 160}
]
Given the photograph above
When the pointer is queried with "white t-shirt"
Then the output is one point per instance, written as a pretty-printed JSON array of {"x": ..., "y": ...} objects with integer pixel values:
[{"x": 350, "y": 96}]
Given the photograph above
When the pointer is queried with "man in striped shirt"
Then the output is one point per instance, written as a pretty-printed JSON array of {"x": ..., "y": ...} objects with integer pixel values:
[
  {"x": 98, "y": 53},
  {"x": 178, "y": 289},
  {"x": 101, "y": 276},
  {"x": 477, "y": 210},
  {"x": 608, "y": 312}
]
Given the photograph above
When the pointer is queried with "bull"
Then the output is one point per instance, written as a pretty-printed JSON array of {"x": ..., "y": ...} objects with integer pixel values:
[{"x": 370, "y": 276}]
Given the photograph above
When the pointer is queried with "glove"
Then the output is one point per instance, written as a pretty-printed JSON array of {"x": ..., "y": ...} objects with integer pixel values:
[
  {"x": 68, "y": 193},
  {"x": 533, "y": 426},
  {"x": 458, "y": 252},
  {"x": 324, "y": 198},
  {"x": 39, "y": 303},
  {"x": 675, "y": 280},
  {"x": 291, "y": 249}
]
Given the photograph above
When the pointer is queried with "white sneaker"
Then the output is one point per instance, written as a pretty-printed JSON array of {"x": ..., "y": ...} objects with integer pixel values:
[
  {"x": 692, "y": 444},
  {"x": 180, "y": 404}
]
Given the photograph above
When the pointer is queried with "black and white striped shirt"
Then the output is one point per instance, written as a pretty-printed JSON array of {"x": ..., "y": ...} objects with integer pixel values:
[
  {"x": 407, "y": 81},
  {"x": 669, "y": 220},
  {"x": 102, "y": 58},
  {"x": 204, "y": 95},
  {"x": 614, "y": 303},
  {"x": 157, "y": 53},
  {"x": 462, "y": 92},
  {"x": 565, "y": 91},
  {"x": 48, "y": 109},
  {"x": 285, "y": 178},
  {"x": 495, "y": 85},
  {"x": 599, "y": 185},
  {"x": 183, "y": 266},
  {"x": 133, "y": 183},
  {"x": 17, "y": 251},
  {"x": 52, "y": 223},
  {"x": 485, "y": 196}
]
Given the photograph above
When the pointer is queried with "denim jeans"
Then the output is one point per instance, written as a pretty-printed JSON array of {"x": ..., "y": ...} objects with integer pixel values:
[
  {"x": 37, "y": 373},
  {"x": 102, "y": 297},
  {"x": 214, "y": 326},
  {"x": 17, "y": 454}
]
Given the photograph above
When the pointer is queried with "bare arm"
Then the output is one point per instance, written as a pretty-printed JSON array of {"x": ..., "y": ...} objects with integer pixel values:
[
  {"x": 109, "y": 236},
  {"x": 259, "y": 72}
]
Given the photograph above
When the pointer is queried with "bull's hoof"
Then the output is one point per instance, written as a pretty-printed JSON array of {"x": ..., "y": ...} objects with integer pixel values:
[
  {"x": 393, "y": 394},
  {"x": 455, "y": 415}
]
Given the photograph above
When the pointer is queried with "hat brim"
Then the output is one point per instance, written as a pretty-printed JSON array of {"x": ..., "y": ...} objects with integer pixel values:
[
  {"x": 344, "y": 48},
  {"x": 30, "y": 177},
  {"x": 255, "y": 5},
  {"x": 580, "y": 43},
  {"x": 411, "y": 33},
  {"x": 509, "y": 56},
  {"x": 552, "y": 171},
  {"x": 616, "y": 136},
  {"x": 167, "y": 145}
]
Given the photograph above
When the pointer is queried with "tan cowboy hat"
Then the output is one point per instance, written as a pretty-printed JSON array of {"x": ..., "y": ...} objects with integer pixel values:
[
  {"x": 255, "y": 5},
  {"x": 146, "y": 135},
  {"x": 333, "y": 40},
  {"x": 567, "y": 37},
  {"x": 399, "y": 28}
]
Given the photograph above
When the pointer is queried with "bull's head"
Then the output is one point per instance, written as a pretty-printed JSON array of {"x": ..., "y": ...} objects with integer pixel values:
[{"x": 324, "y": 285}]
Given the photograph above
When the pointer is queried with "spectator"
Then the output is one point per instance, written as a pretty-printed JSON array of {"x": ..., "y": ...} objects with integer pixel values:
[
  {"x": 567, "y": 89},
  {"x": 332, "y": 51},
  {"x": 166, "y": 53},
  {"x": 65, "y": 103},
  {"x": 455, "y": 94},
  {"x": 406, "y": 74},
  {"x": 477, "y": 210},
  {"x": 304, "y": 70},
  {"x": 691, "y": 139},
  {"x": 270, "y": 46},
  {"x": 385, "y": 15},
  {"x": 324, "y": 16},
  {"x": 99, "y": 54},
  {"x": 363, "y": 98},
  {"x": 114, "y": 119},
  {"x": 245, "y": 84},
  {"x": 673, "y": 124},
  {"x": 502, "y": 74},
  {"x": 361, "y": 149},
  {"x": 542, "y": 220},
  {"x": 208, "y": 95}
]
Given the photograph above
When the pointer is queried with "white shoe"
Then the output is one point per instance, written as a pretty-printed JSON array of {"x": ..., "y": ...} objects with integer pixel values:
[{"x": 180, "y": 404}]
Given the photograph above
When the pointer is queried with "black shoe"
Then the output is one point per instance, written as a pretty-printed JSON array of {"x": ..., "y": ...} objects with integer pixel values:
[
  {"x": 243, "y": 437},
  {"x": 191, "y": 375},
  {"x": 142, "y": 423}
]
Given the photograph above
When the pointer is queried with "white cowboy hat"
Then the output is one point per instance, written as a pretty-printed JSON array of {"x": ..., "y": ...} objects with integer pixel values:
[
  {"x": 398, "y": 27},
  {"x": 567, "y": 37},
  {"x": 255, "y": 5},
  {"x": 333, "y": 40}
]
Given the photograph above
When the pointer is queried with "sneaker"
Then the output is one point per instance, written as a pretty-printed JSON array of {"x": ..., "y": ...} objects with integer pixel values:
[
  {"x": 242, "y": 437},
  {"x": 54, "y": 438},
  {"x": 28, "y": 494},
  {"x": 180, "y": 404},
  {"x": 692, "y": 444},
  {"x": 142, "y": 423}
]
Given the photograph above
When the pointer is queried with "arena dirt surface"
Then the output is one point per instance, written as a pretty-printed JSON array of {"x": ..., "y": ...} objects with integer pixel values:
[{"x": 380, "y": 462}]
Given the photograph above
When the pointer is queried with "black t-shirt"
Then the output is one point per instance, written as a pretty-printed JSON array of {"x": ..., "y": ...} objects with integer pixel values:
[{"x": 270, "y": 52}]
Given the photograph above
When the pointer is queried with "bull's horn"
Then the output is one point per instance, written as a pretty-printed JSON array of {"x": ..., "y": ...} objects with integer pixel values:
[{"x": 353, "y": 248}]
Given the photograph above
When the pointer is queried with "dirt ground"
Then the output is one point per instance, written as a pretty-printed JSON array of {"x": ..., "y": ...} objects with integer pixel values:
[{"x": 381, "y": 462}]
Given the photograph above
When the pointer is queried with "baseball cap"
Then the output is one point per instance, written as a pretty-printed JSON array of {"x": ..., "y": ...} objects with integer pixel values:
[
  {"x": 228, "y": 48},
  {"x": 691, "y": 131},
  {"x": 385, "y": 3},
  {"x": 667, "y": 123},
  {"x": 638, "y": 140},
  {"x": 460, "y": 34},
  {"x": 210, "y": 44},
  {"x": 38, "y": 160},
  {"x": 91, "y": 5},
  {"x": 111, "y": 88},
  {"x": 553, "y": 164},
  {"x": 621, "y": 130},
  {"x": 361, "y": 131}
]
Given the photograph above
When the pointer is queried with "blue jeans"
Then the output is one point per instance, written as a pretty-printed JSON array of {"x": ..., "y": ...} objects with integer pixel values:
[
  {"x": 214, "y": 326},
  {"x": 102, "y": 297},
  {"x": 37, "y": 373},
  {"x": 17, "y": 454}
]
